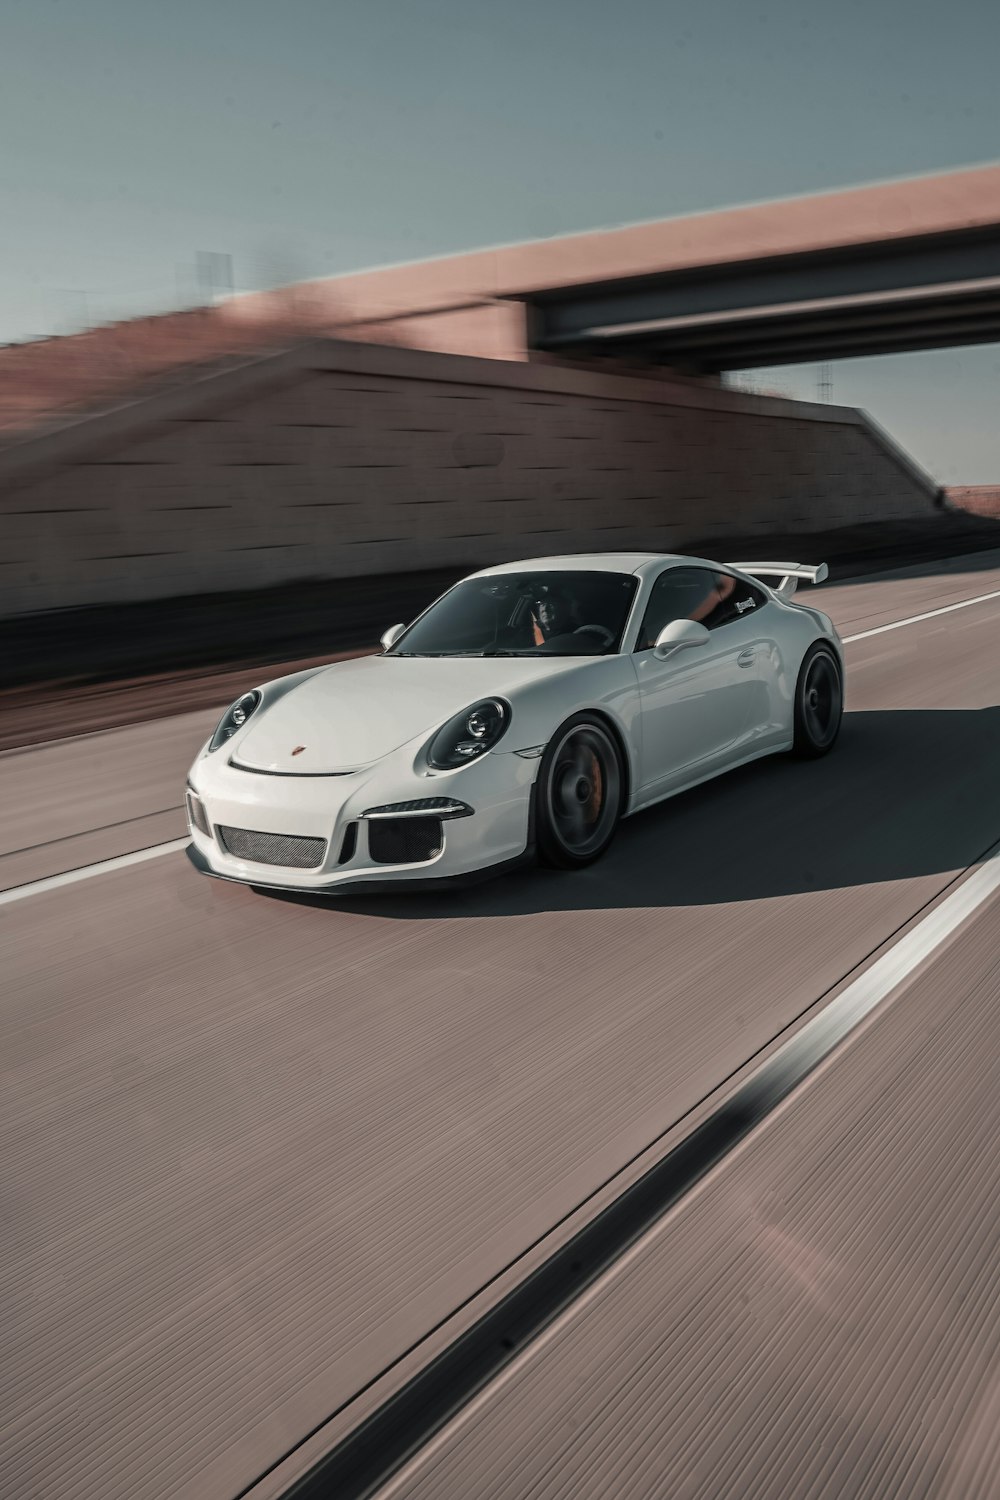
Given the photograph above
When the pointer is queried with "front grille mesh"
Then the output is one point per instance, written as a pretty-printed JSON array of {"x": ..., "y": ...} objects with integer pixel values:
[
  {"x": 272, "y": 848},
  {"x": 404, "y": 841}
]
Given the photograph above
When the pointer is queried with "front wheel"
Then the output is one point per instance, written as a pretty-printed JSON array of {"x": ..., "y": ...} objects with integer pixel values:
[
  {"x": 819, "y": 702},
  {"x": 580, "y": 793}
]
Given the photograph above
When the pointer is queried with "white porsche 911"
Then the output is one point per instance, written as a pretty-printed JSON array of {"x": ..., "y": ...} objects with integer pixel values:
[{"x": 526, "y": 712}]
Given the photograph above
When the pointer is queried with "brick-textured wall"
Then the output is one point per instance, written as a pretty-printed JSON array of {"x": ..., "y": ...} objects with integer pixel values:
[
  {"x": 341, "y": 460},
  {"x": 975, "y": 499}
]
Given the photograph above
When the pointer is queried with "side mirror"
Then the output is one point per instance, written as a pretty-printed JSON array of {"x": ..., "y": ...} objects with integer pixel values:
[
  {"x": 678, "y": 636},
  {"x": 391, "y": 637}
]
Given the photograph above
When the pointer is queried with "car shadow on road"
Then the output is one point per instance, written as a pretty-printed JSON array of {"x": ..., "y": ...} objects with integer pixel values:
[{"x": 905, "y": 793}]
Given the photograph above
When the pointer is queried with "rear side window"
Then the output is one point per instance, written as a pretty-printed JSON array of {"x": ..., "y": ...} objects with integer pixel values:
[
  {"x": 712, "y": 598},
  {"x": 735, "y": 599}
]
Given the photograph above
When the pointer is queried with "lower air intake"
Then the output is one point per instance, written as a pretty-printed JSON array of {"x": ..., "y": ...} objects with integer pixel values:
[
  {"x": 272, "y": 848},
  {"x": 404, "y": 841},
  {"x": 349, "y": 847},
  {"x": 196, "y": 812}
]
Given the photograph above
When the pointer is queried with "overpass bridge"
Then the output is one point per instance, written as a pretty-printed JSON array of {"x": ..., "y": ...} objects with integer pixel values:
[
  {"x": 874, "y": 270},
  {"x": 874, "y": 297},
  {"x": 332, "y": 459},
  {"x": 913, "y": 264}
]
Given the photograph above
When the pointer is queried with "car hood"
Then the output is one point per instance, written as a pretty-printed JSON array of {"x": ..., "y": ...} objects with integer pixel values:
[{"x": 354, "y": 712}]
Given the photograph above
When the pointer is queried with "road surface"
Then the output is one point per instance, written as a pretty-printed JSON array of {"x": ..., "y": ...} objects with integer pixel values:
[{"x": 263, "y": 1158}]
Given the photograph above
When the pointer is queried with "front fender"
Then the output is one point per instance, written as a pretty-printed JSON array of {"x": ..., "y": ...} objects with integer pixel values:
[{"x": 608, "y": 686}]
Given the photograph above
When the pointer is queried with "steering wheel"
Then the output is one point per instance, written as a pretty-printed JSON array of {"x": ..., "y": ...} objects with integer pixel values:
[{"x": 601, "y": 630}]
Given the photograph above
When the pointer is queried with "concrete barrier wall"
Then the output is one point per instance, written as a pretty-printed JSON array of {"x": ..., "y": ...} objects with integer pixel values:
[{"x": 338, "y": 460}]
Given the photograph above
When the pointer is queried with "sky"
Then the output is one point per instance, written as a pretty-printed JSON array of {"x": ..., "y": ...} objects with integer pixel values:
[{"x": 314, "y": 137}]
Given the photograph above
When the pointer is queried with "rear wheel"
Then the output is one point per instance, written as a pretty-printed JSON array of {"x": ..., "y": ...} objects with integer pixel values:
[
  {"x": 819, "y": 703},
  {"x": 580, "y": 791}
]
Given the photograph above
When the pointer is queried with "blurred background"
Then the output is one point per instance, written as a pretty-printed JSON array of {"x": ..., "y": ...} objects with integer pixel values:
[{"x": 252, "y": 342}]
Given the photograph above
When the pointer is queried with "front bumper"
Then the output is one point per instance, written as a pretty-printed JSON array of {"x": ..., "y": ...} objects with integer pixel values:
[{"x": 498, "y": 789}]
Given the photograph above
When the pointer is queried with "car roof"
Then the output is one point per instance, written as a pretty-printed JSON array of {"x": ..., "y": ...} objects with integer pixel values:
[{"x": 594, "y": 562}]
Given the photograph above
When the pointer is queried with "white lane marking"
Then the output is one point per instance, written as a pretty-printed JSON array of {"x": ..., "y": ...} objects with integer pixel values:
[
  {"x": 104, "y": 867},
  {"x": 930, "y": 614},
  {"x": 897, "y": 964},
  {"x": 52, "y": 882}
]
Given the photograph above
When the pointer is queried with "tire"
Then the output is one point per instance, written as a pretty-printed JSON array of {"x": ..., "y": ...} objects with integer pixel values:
[
  {"x": 581, "y": 789},
  {"x": 819, "y": 702}
]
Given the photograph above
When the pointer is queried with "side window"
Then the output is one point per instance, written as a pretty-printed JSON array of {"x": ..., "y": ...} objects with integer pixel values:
[
  {"x": 732, "y": 600},
  {"x": 676, "y": 595},
  {"x": 712, "y": 598}
]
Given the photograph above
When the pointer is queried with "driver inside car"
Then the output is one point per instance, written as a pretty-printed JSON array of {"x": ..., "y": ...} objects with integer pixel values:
[{"x": 553, "y": 613}]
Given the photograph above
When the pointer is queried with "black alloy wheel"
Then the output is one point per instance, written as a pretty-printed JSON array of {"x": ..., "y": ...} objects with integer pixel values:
[
  {"x": 819, "y": 703},
  {"x": 580, "y": 793}
]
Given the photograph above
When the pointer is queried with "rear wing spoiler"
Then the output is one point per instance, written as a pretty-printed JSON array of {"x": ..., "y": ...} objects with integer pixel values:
[{"x": 788, "y": 573}]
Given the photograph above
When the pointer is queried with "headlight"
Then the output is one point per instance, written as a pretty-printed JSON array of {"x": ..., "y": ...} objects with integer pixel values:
[
  {"x": 234, "y": 718},
  {"x": 469, "y": 734}
]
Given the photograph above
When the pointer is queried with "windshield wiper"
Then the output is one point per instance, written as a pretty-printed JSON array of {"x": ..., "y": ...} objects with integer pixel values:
[{"x": 465, "y": 653}]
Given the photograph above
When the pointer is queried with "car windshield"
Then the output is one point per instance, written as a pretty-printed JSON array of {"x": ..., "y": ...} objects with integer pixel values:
[{"x": 525, "y": 614}]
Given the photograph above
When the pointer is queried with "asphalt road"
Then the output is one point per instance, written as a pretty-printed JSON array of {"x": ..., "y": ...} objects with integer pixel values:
[
  {"x": 263, "y": 1157},
  {"x": 820, "y": 1318}
]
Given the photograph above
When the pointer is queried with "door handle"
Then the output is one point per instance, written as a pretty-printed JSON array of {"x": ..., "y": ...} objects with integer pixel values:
[{"x": 746, "y": 658}]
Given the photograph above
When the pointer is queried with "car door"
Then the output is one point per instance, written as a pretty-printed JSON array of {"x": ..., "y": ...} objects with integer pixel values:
[{"x": 700, "y": 707}]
